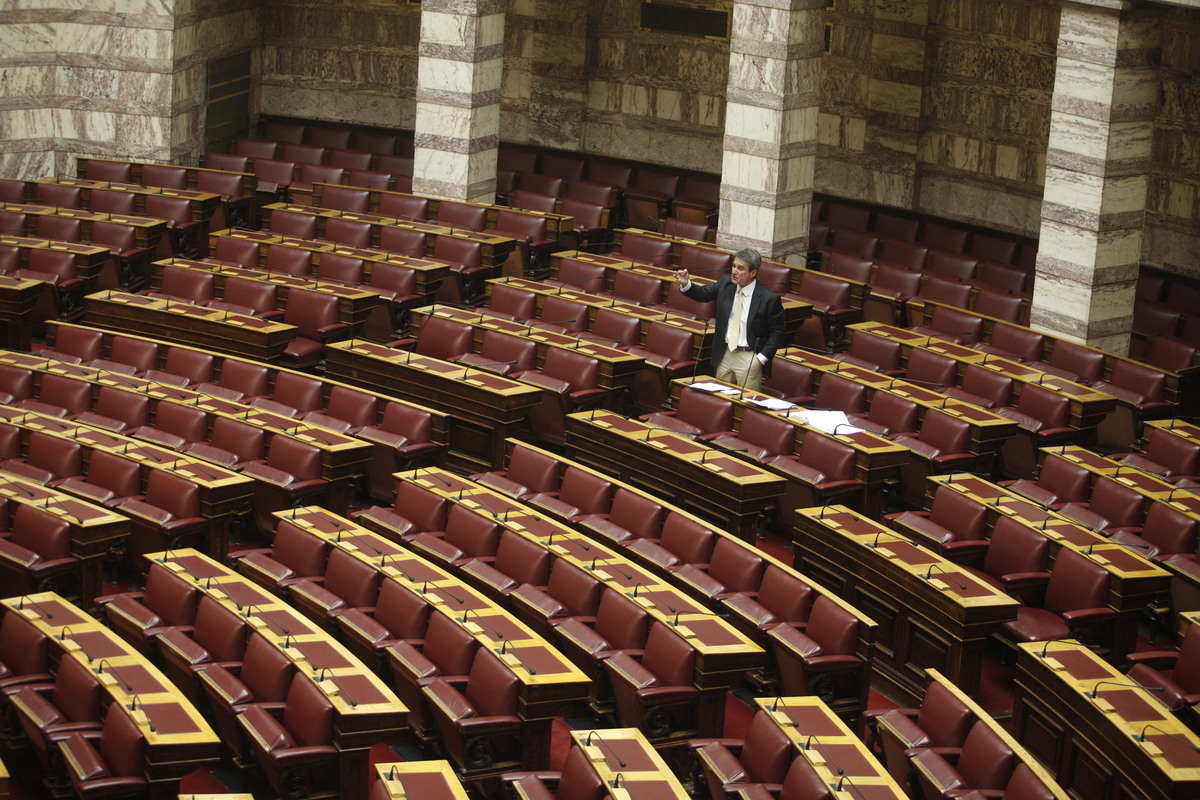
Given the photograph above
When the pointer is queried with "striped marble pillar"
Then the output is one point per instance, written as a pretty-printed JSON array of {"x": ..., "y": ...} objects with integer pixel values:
[
  {"x": 458, "y": 99},
  {"x": 1099, "y": 149},
  {"x": 771, "y": 125}
]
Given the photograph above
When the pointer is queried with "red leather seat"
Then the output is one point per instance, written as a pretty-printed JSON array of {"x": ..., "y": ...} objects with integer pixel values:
[
  {"x": 110, "y": 479},
  {"x": 928, "y": 368},
  {"x": 823, "y": 658},
  {"x": 113, "y": 766},
  {"x": 414, "y": 510},
  {"x": 1004, "y": 278},
  {"x": 290, "y": 476},
  {"x": 54, "y": 194},
  {"x": 352, "y": 232},
  {"x": 700, "y": 414},
  {"x": 541, "y": 183},
  {"x": 462, "y": 215},
  {"x": 943, "y": 237},
  {"x": 479, "y": 725},
  {"x": 374, "y": 141},
  {"x": 218, "y": 637},
  {"x": 615, "y": 328},
  {"x": 959, "y": 266},
  {"x": 686, "y": 229},
  {"x": 733, "y": 569},
  {"x": 1042, "y": 412},
  {"x": 570, "y": 593},
  {"x": 465, "y": 258},
  {"x": 49, "y": 460},
  {"x": 444, "y": 338},
  {"x": 126, "y": 351},
  {"x": 295, "y": 555},
  {"x": 404, "y": 206},
  {"x": 64, "y": 229},
  {"x": 346, "y": 411},
  {"x": 985, "y": 763},
  {"x": 296, "y": 752},
  {"x": 823, "y": 470},
  {"x": 953, "y": 517},
  {"x": 889, "y": 415},
  {"x": 167, "y": 517},
  {"x": 983, "y": 387},
  {"x": 607, "y": 172},
  {"x": 256, "y": 148},
  {"x": 467, "y": 536},
  {"x": 1177, "y": 672},
  {"x": 293, "y": 394},
  {"x": 264, "y": 679},
  {"x": 790, "y": 381},
  {"x": 117, "y": 410},
  {"x": 645, "y": 249},
  {"x": 941, "y": 445},
  {"x": 238, "y": 251},
  {"x": 1169, "y": 456},
  {"x": 1073, "y": 361},
  {"x": 952, "y": 325},
  {"x": 762, "y": 437},
  {"x": 293, "y": 223},
  {"x": 631, "y": 516},
  {"x": 580, "y": 493},
  {"x": 847, "y": 266},
  {"x": 999, "y": 305},
  {"x": 139, "y": 617},
  {"x": 349, "y": 583},
  {"x": 22, "y": 653},
  {"x": 657, "y": 695},
  {"x": 840, "y": 393},
  {"x": 15, "y": 384},
  {"x": 668, "y": 354},
  {"x": 1112, "y": 506},
  {"x": 561, "y": 315},
  {"x": 75, "y": 345},
  {"x": 683, "y": 541},
  {"x": 321, "y": 136},
  {"x": 185, "y": 284},
  {"x": 166, "y": 176},
  {"x": 529, "y": 472},
  {"x": 570, "y": 382},
  {"x": 1139, "y": 384},
  {"x": 519, "y": 562},
  {"x": 511, "y": 303},
  {"x": 60, "y": 396},
  {"x": 1074, "y": 605},
  {"x": 400, "y": 615},
  {"x": 250, "y": 297},
  {"x": 315, "y": 316},
  {"x": 644, "y": 290},
  {"x": 1058, "y": 482},
  {"x": 764, "y": 756},
  {"x": 108, "y": 201},
  {"x": 853, "y": 243},
  {"x": 874, "y": 352},
  {"x": 942, "y": 721},
  {"x": 577, "y": 781},
  {"x": 447, "y": 653},
  {"x": 346, "y": 198},
  {"x": 233, "y": 444},
  {"x": 947, "y": 291},
  {"x": 498, "y": 350},
  {"x": 342, "y": 269},
  {"x": 308, "y": 174},
  {"x": 621, "y": 626},
  {"x": 236, "y": 205},
  {"x": 1017, "y": 559},
  {"x": 1165, "y": 532},
  {"x": 349, "y": 159},
  {"x": 402, "y": 440},
  {"x": 781, "y": 599},
  {"x": 403, "y": 241},
  {"x": 289, "y": 260},
  {"x": 37, "y": 551},
  {"x": 591, "y": 217}
]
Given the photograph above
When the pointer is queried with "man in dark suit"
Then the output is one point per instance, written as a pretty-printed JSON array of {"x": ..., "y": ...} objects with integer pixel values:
[{"x": 750, "y": 324}]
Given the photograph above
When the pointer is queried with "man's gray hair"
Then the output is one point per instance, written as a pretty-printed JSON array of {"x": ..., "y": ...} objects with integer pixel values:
[{"x": 751, "y": 257}]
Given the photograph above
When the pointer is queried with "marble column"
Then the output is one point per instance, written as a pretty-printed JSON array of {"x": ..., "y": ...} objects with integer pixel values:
[
  {"x": 458, "y": 99},
  {"x": 1099, "y": 150},
  {"x": 771, "y": 126}
]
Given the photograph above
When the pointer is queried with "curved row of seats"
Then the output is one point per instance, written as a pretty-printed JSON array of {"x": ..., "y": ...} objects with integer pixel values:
[{"x": 761, "y": 595}]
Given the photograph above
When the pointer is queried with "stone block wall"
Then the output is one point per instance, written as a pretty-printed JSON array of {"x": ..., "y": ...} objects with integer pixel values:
[
  {"x": 353, "y": 61},
  {"x": 1172, "y": 235}
]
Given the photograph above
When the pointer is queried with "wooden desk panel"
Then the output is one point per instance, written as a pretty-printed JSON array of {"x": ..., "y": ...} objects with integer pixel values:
[
  {"x": 1097, "y": 734},
  {"x": 931, "y": 612}
]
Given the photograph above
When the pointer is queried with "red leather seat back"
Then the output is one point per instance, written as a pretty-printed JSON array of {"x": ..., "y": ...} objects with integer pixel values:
[
  {"x": 1052, "y": 409},
  {"x": 534, "y": 470},
  {"x": 785, "y": 595},
  {"x": 100, "y": 170},
  {"x": 341, "y": 268},
  {"x": 310, "y": 312},
  {"x": 174, "y": 494},
  {"x": 346, "y": 198},
  {"x": 1019, "y": 340},
  {"x": 291, "y": 455},
  {"x": 940, "y": 289},
  {"x": 308, "y": 714},
  {"x": 1076, "y": 582},
  {"x": 688, "y": 539},
  {"x": 293, "y": 223},
  {"x": 355, "y": 233},
  {"x": 499, "y": 347},
  {"x": 414, "y": 423},
  {"x": 320, "y": 173},
  {"x": 767, "y": 752},
  {"x": 637, "y": 514},
  {"x": 266, "y": 670},
  {"x": 623, "y": 330},
  {"x": 896, "y": 279},
  {"x": 1176, "y": 453},
  {"x": 894, "y": 412},
  {"x": 239, "y": 251},
  {"x": 492, "y": 686},
  {"x": 943, "y": 717},
  {"x": 1123, "y": 506},
  {"x": 327, "y": 137},
  {"x": 353, "y": 406},
  {"x": 402, "y": 611},
  {"x": 768, "y": 431},
  {"x": 220, "y": 631},
  {"x": 943, "y": 237},
  {"x": 832, "y": 627},
  {"x": 45, "y": 534},
  {"x": 1015, "y": 548},
  {"x": 618, "y": 175},
  {"x": 622, "y": 622},
  {"x": 986, "y": 761},
  {"x": 472, "y": 533},
  {"x": 22, "y": 646},
  {"x": 1068, "y": 481},
  {"x": 570, "y": 167},
  {"x": 257, "y": 149},
  {"x": 646, "y": 248},
  {"x": 290, "y": 260},
  {"x": 948, "y": 434},
  {"x": 458, "y": 251},
  {"x": 187, "y": 283},
  {"x": 73, "y": 395},
  {"x": 840, "y": 393},
  {"x": 298, "y": 550},
  {"x": 707, "y": 411},
  {"x": 228, "y": 185},
  {"x": 999, "y": 306},
  {"x": 107, "y": 201},
  {"x": 578, "y": 369},
  {"x": 642, "y": 289},
  {"x": 518, "y": 303},
  {"x": 590, "y": 493},
  {"x": 670, "y": 341},
  {"x": 354, "y": 581},
  {"x": 522, "y": 559},
  {"x": 1007, "y": 278},
  {"x": 737, "y": 568},
  {"x": 166, "y": 176},
  {"x": 448, "y": 645},
  {"x": 847, "y": 216},
  {"x": 1084, "y": 362},
  {"x": 349, "y": 159},
  {"x": 1169, "y": 530},
  {"x": 930, "y": 367},
  {"x": 958, "y": 514},
  {"x": 905, "y": 254},
  {"x": 420, "y": 506},
  {"x": 120, "y": 475},
  {"x": 861, "y": 245},
  {"x": 61, "y": 457},
  {"x": 61, "y": 228},
  {"x": 668, "y": 656},
  {"x": 534, "y": 201},
  {"x": 824, "y": 288},
  {"x": 374, "y": 141},
  {"x": 444, "y": 338},
  {"x": 586, "y": 213},
  {"x": 140, "y": 354},
  {"x": 269, "y": 170},
  {"x": 893, "y": 227},
  {"x": 129, "y": 407},
  {"x": 958, "y": 266},
  {"x": 844, "y": 265},
  {"x": 540, "y": 183},
  {"x": 575, "y": 588},
  {"x": 404, "y": 206},
  {"x": 462, "y": 215},
  {"x": 301, "y": 392},
  {"x": 884, "y": 353},
  {"x": 247, "y": 442}
]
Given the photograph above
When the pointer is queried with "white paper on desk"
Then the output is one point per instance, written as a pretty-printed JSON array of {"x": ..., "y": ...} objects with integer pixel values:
[
  {"x": 716, "y": 388},
  {"x": 826, "y": 420},
  {"x": 771, "y": 403}
]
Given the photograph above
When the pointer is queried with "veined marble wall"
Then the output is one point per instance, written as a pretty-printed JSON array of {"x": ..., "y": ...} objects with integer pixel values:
[
  {"x": 1171, "y": 239},
  {"x": 108, "y": 78},
  {"x": 545, "y": 73},
  {"x": 351, "y": 61}
]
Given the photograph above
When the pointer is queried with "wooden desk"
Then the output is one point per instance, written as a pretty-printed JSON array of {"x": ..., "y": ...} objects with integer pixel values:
[
  {"x": 213, "y": 329},
  {"x": 178, "y": 740},
  {"x": 618, "y": 369},
  {"x": 484, "y": 409},
  {"x": 18, "y": 302},
  {"x": 549, "y": 684},
  {"x": 94, "y": 530},
  {"x": 1088, "y": 407},
  {"x": 931, "y": 612},
  {"x": 365, "y": 709},
  {"x": 1134, "y": 582},
  {"x": 147, "y": 230},
  {"x": 831, "y": 748},
  {"x": 876, "y": 459},
  {"x": 90, "y": 260},
  {"x": 357, "y": 305},
  {"x": 718, "y": 487},
  {"x": 426, "y": 780},
  {"x": 627, "y": 764},
  {"x": 1100, "y": 736},
  {"x": 988, "y": 429},
  {"x": 203, "y": 204}
]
